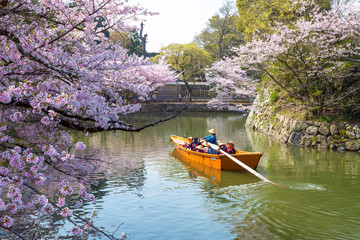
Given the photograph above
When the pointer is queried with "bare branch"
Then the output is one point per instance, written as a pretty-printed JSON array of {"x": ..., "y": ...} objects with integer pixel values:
[
  {"x": 13, "y": 232},
  {"x": 79, "y": 127}
]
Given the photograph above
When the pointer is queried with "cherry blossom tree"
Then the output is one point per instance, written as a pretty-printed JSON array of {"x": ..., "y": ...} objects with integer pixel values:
[
  {"x": 315, "y": 59},
  {"x": 231, "y": 83},
  {"x": 59, "y": 72}
]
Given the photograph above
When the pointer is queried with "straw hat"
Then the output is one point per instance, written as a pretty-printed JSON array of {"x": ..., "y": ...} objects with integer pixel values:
[
  {"x": 190, "y": 138},
  {"x": 206, "y": 144},
  {"x": 200, "y": 147},
  {"x": 231, "y": 143},
  {"x": 212, "y": 131},
  {"x": 221, "y": 144}
]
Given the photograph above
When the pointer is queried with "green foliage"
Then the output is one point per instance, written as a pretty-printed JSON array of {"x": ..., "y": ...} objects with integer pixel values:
[
  {"x": 221, "y": 33},
  {"x": 342, "y": 132},
  {"x": 337, "y": 139},
  {"x": 188, "y": 60},
  {"x": 273, "y": 96},
  {"x": 130, "y": 41},
  {"x": 324, "y": 118},
  {"x": 260, "y": 16}
]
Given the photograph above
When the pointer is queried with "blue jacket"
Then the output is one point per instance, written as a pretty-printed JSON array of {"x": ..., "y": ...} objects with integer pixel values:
[{"x": 211, "y": 139}]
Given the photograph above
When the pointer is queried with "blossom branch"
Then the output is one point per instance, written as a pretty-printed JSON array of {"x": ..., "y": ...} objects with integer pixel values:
[{"x": 66, "y": 74}]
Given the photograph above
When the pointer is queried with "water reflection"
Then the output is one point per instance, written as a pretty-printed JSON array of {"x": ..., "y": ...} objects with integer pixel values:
[
  {"x": 215, "y": 176},
  {"x": 280, "y": 157}
]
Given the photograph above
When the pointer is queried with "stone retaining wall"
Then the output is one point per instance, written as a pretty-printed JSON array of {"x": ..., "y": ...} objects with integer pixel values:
[{"x": 340, "y": 136}]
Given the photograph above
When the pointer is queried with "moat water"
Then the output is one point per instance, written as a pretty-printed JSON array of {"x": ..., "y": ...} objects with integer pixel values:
[{"x": 151, "y": 194}]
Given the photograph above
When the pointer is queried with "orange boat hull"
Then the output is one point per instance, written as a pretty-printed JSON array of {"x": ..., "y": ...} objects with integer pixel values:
[{"x": 221, "y": 162}]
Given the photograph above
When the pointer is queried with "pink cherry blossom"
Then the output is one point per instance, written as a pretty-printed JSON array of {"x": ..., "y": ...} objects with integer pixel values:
[
  {"x": 32, "y": 158},
  {"x": 18, "y": 180},
  {"x": 76, "y": 230},
  {"x": 86, "y": 226},
  {"x": 13, "y": 191},
  {"x": 4, "y": 171},
  {"x": 64, "y": 156},
  {"x": 11, "y": 207},
  {"x": 3, "y": 138},
  {"x": 64, "y": 183},
  {"x": 40, "y": 179},
  {"x": 231, "y": 82},
  {"x": 29, "y": 204},
  {"x": 20, "y": 165},
  {"x": 66, "y": 212},
  {"x": 47, "y": 208},
  {"x": 15, "y": 116},
  {"x": 61, "y": 202},
  {"x": 90, "y": 197},
  {"x": 45, "y": 120},
  {"x": 5, "y": 97},
  {"x": 17, "y": 199},
  {"x": 79, "y": 203},
  {"x": 42, "y": 200},
  {"x": 332, "y": 35},
  {"x": 80, "y": 146},
  {"x": 7, "y": 221},
  {"x": 60, "y": 73},
  {"x": 4, "y": 181},
  {"x": 66, "y": 190}
]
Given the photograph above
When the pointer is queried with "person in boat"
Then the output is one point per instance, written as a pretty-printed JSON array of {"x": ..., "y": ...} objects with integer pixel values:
[
  {"x": 211, "y": 139},
  {"x": 206, "y": 147},
  {"x": 190, "y": 140},
  {"x": 200, "y": 149},
  {"x": 222, "y": 146},
  {"x": 231, "y": 148},
  {"x": 194, "y": 144}
]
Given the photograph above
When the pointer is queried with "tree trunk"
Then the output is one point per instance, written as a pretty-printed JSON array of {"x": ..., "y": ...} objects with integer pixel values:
[
  {"x": 189, "y": 90},
  {"x": 143, "y": 40}
]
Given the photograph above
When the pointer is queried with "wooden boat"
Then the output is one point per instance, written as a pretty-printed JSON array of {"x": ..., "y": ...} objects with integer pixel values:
[
  {"x": 214, "y": 176},
  {"x": 221, "y": 162}
]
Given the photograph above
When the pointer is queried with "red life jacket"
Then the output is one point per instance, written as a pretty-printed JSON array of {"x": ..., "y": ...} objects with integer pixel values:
[{"x": 231, "y": 150}]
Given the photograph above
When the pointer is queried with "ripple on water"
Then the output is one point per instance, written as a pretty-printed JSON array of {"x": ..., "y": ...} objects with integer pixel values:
[
  {"x": 306, "y": 186},
  {"x": 277, "y": 213}
]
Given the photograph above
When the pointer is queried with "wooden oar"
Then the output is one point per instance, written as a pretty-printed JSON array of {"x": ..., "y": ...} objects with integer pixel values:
[{"x": 244, "y": 165}]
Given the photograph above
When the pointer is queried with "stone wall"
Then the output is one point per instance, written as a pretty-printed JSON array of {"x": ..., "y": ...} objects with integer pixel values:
[{"x": 338, "y": 136}]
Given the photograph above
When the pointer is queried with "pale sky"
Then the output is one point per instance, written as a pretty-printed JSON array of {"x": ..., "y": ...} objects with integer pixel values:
[{"x": 179, "y": 20}]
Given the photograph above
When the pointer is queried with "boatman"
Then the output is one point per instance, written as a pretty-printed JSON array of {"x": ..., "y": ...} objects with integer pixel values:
[{"x": 211, "y": 139}]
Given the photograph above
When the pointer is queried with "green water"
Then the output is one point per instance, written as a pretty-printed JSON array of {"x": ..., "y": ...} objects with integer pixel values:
[{"x": 157, "y": 196}]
